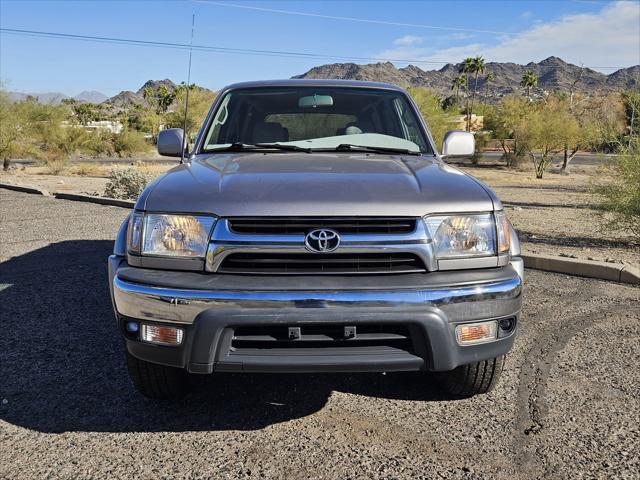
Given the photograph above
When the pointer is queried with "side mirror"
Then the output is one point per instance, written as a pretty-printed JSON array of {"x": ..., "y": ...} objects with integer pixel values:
[
  {"x": 458, "y": 143},
  {"x": 170, "y": 142}
]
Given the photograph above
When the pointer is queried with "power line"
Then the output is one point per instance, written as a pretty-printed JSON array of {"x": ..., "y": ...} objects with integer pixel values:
[
  {"x": 352, "y": 19},
  {"x": 228, "y": 50},
  {"x": 211, "y": 48}
]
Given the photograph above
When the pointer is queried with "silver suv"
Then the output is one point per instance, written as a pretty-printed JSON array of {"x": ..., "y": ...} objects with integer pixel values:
[{"x": 315, "y": 228}]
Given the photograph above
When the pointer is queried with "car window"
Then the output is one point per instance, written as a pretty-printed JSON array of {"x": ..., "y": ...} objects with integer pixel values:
[{"x": 322, "y": 116}]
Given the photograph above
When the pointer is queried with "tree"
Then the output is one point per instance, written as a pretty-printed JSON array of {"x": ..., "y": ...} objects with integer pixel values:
[
  {"x": 160, "y": 98},
  {"x": 199, "y": 102},
  {"x": 430, "y": 106},
  {"x": 466, "y": 67},
  {"x": 86, "y": 112},
  {"x": 632, "y": 110},
  {"x": 508, "y": 124},
  {"x": 549, "y": 127},
  {"x": 458, "y": 83},
  {"x": 478, "y": 66},
  {"x": 490, "y": 77},
  {"x": 529, "y": 80},
  {"x": 600, "y": 121},
  {"x": 11, "y": 124}
]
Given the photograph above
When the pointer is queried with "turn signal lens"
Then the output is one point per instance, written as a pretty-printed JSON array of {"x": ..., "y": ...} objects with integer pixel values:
[
  {"x": 473, "y": 333},
  {"x": 161, "y": 335},
  {"x": 134, "y": 232},
  {"x": 504, "y": 232}
]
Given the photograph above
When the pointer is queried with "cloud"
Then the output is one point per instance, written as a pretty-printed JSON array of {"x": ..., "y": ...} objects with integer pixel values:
[
  {"x": 608, "y": 38},
  {"x": 527, "y": 14},
  {"x": 411, "y": 47},
  {"x": 408, "y": 40}
]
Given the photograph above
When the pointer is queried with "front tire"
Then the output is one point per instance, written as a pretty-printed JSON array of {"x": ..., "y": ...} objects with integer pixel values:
[
  {"x": 157, "y": 381},
  {"x": 473, "y": 379}
]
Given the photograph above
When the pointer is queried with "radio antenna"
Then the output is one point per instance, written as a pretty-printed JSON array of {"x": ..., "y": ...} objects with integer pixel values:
[{"x": 186, "y": 100}]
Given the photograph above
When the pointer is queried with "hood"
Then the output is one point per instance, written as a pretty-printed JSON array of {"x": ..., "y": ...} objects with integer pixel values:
[{"x": 317, "y": 184}]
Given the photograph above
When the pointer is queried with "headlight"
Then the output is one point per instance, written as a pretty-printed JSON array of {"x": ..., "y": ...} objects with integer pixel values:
[
  {"x": 170, "y": 235},
  {"x": 456, "y": 236}
]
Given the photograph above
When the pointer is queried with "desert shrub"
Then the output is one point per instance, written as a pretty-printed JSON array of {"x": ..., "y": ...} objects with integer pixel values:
[
  {"x": 128, "y": 142},
  {"x": 99, "y": 143},
  {"x": 86, "y": 169},
  {"x": 125, "y": 183},
  {"x": 55, "y": 165},
  {"x": 621, "y": 197}
]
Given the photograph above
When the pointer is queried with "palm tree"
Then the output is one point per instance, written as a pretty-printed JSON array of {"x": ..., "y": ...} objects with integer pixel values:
[
  {"x": 490, "y": 78},
  {"x": 529, "y": 80},
  {"x": 477, "y": 67},
  {"x": 466, "y": 67},
  {"x": 455, "y": 85}
]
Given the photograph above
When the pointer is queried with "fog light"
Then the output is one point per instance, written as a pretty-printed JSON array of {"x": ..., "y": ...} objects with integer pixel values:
[
  {"x": 161, "y": 335},
  {"x": 506, "y": 324},
  {"x": 473, "y": 333}
]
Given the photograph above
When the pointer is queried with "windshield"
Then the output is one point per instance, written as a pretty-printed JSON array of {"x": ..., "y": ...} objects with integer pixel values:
[{"x": 316, "y": 118}]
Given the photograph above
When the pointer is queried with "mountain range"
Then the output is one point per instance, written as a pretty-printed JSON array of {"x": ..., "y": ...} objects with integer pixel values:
[
  {"x": 127, "y": 97},
  {"x": 553, "y": 73},
  {"x": 54, "y": 98}
]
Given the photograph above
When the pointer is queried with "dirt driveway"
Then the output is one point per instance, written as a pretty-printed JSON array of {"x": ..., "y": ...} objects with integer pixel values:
[{"x": 568, "y": 405}]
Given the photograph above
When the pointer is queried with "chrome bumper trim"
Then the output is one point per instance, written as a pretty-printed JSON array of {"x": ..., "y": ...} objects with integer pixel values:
[{"x": 183, "y": 306}]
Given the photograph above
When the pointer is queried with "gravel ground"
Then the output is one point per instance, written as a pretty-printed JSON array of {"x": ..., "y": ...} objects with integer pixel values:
[{"x": 567, "y": 406}]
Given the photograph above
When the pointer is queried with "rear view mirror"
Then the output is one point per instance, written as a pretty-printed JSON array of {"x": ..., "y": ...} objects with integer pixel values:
[
  {"x": 315, "y": 100},
  {"x": 458, "y": 143},
  {"x": 170, "y": 142}
]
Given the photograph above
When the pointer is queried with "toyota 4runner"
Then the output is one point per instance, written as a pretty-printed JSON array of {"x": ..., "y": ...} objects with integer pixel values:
[{"x": 314, "y": 227}]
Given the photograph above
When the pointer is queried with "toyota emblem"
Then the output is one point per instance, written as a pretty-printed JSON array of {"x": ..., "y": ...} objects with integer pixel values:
[{"x": 322, "y": 240}]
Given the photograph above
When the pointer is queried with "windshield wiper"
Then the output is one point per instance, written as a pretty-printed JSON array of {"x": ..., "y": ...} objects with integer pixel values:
[
  {"x": 349, "y": 147},
  {"x": 239, "y": 146}
]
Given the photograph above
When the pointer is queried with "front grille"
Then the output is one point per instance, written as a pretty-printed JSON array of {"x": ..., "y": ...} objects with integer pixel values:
[
  {"x": 323, "y": 336},
  {"x": 314, "y": 264},
  {"x": 342, "y": 225}
]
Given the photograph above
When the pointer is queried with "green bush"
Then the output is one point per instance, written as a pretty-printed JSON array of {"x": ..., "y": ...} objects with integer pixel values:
[
  {"x": 128, "y": 142},
  {"x": 125, "y": 183},
  {"x": 99, "y": 143},
  {"x": 621, "y": 197}
]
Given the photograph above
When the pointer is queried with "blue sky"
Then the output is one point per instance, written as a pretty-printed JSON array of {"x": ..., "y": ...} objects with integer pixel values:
[{"x": 595, "y": 33}]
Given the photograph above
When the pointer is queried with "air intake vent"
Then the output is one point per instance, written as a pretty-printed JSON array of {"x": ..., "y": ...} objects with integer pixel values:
[
  {"x": 342, "y": 225},
  {"x": 322, "y": 336},
  {"x": 318, "y": 264}
]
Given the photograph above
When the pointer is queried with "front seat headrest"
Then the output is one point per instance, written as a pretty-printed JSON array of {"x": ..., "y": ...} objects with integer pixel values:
[{"x": 269, "y": 132}]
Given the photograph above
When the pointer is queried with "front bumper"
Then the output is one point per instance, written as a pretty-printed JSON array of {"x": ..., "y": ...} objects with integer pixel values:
[{"x": 210, "y": 308}]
